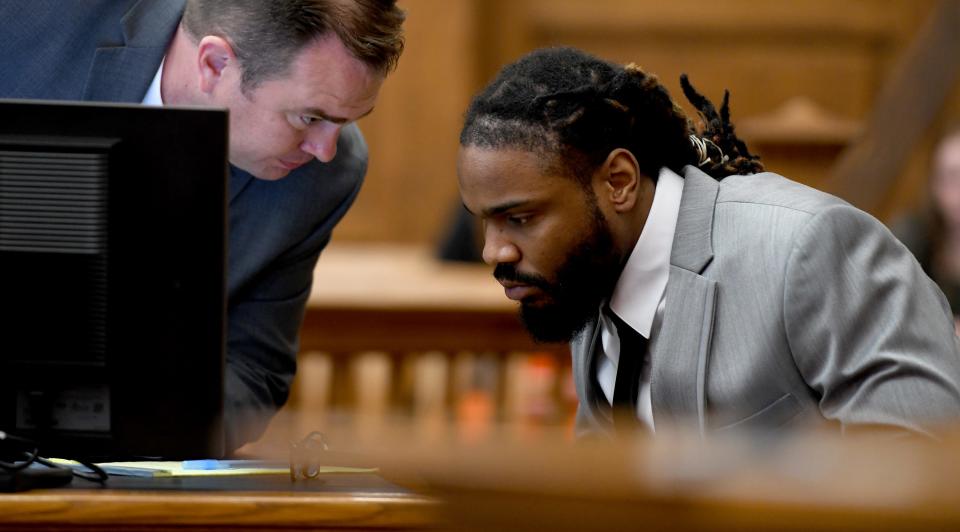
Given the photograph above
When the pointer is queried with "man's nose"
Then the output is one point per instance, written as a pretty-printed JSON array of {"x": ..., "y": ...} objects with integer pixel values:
[
  {"x": 498, "y": 249},
  {"x": 321, "y": 141}
]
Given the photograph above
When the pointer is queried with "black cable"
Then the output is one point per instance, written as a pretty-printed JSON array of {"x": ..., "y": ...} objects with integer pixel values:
[
  {"x": 9, "y": 440},
  {"x": 94, "y": 473}
]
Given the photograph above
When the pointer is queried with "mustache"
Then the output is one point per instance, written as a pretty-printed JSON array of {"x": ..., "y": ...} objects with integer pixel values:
[{"x": 508, "y": 272}]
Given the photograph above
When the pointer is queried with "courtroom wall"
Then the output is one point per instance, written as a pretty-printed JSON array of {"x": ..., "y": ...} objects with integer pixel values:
[{"x": 803, "y": 76}]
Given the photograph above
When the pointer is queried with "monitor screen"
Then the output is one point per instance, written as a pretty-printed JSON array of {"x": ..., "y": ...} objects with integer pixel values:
[{"x": 112, "y": 278}]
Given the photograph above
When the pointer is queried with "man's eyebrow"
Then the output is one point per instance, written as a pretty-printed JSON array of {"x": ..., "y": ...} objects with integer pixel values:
[
  {"x": 503, "y": 207},
  {"x": 335, "y": 119}
]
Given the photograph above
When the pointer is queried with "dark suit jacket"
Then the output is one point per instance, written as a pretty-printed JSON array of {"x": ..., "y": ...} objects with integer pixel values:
[{"x": 109, "y": 50}]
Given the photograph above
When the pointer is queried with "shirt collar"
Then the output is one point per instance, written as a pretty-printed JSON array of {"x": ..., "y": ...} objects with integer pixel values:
[
  {"x": 153, "y": 96},
  {"x": 644, "y": 277}
]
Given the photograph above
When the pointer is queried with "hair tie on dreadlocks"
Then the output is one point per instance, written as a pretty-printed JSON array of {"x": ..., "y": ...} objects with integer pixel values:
[
  {"x": 704, "y": 147},
  {"x": 721, "y": 152}
]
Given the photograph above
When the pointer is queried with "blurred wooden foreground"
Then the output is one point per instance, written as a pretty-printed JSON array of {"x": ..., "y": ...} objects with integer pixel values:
[
  {"x": 236, "y": 511},
  {"x": 812, "y": 480},
  {"x": 675, "y": 481}
]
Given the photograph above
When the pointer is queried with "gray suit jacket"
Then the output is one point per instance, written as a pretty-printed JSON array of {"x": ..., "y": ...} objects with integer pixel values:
[
  {"x": 784, "y": 304},
  {"x": 109, "y": 50}
]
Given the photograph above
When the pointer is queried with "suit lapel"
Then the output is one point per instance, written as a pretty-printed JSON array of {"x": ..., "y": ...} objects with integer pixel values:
[
  {"x": 123, "y": 73},
  {"x": 681, "y": 349}
]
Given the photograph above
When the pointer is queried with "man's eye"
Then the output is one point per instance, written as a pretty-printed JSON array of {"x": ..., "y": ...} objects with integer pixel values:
[
  {"x": 518, "y": 220},
  {"x": 307, "y": 120}
]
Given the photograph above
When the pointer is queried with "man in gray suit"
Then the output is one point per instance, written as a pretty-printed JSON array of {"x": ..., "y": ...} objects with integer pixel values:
[
  {"x": 697, "y": 291},
  {"x": 295, "y": 76}
]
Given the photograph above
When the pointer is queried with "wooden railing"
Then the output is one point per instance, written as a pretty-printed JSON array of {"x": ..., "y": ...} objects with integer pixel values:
[{"x": 390, "y": 330}]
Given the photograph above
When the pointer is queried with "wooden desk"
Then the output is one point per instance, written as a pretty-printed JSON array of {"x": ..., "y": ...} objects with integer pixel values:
[
  {"x": 809, "y": 482},
  {"x": 94, "y": 509},
  {"x": 813, "y": 481}
]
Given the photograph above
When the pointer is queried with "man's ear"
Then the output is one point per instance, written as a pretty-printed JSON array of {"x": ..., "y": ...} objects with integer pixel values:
[
  {"x": 214, "y": 54},
  {"x": 621, "y": 178}
]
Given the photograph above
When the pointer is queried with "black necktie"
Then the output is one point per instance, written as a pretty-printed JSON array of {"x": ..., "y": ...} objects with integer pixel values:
[{"x": 633, "y": 349}]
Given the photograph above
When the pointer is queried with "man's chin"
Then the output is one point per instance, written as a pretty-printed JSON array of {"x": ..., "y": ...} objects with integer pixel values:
[
  {"x": 265, "y": 173},
  {"x": 551, "y": 324},
  {"x": 271, "y": 174}
]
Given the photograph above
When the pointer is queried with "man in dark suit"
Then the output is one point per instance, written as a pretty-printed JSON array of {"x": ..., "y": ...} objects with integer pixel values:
[{"x": 295, "y": 75}]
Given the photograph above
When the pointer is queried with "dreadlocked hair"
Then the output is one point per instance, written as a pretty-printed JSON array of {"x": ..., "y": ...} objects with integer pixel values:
[
  {"x": 567, "y": 103},
  {"x": 733, "y": 156}
]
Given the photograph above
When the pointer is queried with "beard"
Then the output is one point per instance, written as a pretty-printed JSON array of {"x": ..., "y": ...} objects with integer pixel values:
[{"x": 586, "y": 277}]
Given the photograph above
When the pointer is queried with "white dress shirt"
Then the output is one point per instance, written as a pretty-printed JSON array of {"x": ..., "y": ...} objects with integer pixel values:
[
  {"x": 638, "y": 297},
  {"x": 153, "y": 96}
]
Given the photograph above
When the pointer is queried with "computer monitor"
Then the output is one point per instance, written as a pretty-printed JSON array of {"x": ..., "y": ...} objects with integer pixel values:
[{"x": 112, "y": 278}]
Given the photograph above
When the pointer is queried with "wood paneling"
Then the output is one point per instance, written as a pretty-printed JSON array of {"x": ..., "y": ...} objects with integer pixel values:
[
  {"x": 411, "y": 183},
  {"x": 836, "y": 54}
]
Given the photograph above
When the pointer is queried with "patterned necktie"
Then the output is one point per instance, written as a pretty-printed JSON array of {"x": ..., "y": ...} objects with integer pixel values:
[{"x": 633, "y": 349}]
